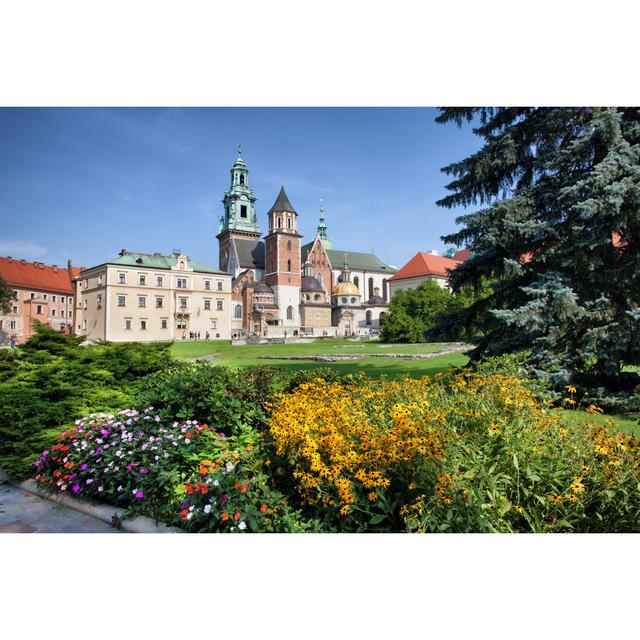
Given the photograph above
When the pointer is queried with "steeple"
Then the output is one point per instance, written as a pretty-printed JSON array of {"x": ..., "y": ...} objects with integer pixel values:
[
  {"x": 282, "y": 203},
  {"x": 322, "y": 229},
  {"x": 239, "y": 201}
]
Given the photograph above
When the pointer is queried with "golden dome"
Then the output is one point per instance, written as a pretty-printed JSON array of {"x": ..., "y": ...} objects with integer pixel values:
[{"x": 345, "y": 289}]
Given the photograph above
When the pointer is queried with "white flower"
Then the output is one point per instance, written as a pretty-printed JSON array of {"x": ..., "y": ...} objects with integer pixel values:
[
  {"x": 207, "y": 508},
  {"x": 216, "y": 483},
  {"x": 242, "y": 526},
  {"x": 229, "y": 467},
  {"x": 120, "y": 488},
  {"x": 189, "y": 515},
  {"x": 100, "y": 489}
]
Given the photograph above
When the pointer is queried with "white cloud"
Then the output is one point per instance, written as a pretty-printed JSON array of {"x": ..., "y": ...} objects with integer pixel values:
[{"x": 20, "y": 249}]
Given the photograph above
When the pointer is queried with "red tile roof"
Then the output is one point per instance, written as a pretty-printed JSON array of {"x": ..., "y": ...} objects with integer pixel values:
[
  {"x": 38, "y": 276},
  {"x": 427, "y": 264}
]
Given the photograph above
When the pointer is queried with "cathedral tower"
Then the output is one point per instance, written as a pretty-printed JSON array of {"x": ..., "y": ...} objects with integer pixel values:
[
  {"x": 239, "y": 219},
  {"x": 283, "y": 271}
]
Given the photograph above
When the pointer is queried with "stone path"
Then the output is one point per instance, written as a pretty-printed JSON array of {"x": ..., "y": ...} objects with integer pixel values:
[{"x": 25, "y": 512}]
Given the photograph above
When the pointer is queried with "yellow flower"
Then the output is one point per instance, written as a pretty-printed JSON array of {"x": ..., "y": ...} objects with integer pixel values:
[{"x": 570, "y": 388}]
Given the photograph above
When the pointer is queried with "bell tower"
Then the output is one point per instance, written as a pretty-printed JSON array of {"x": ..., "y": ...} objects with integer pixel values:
[
  {"x": 283, "y": 270},
  {"x": 239, "y": 218}
]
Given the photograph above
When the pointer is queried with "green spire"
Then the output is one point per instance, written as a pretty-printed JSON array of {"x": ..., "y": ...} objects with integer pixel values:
[
  {"x": 322, "y": 229},
  {"x": 239, "y": 201}
]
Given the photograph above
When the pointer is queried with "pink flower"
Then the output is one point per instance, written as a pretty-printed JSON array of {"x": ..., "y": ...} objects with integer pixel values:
[
  {"x": 139, "y": 495},
  {"x": 76, "y": 488}
]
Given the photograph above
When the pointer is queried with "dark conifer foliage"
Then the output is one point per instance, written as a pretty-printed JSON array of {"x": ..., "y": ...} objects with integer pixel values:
[{"x": 558, "y": 234}]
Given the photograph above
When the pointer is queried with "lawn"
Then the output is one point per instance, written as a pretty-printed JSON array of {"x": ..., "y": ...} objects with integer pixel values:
[
  {"x": 246, "y": 355},
  {"x": 627, "y": 424}
]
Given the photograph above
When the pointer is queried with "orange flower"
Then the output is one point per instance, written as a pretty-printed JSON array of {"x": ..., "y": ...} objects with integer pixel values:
[
  {"x": 236, "y": 516},
  {"x": 263, "y": 508},
  {"x": 225, "y": 516},
  {"x": 189, "y": 434},
  {"x": 189, "y": 489},
  {"x": 244, "y": 488},
  {"x": 204, "y": 489},
  {"x": 249, "y": 448}
]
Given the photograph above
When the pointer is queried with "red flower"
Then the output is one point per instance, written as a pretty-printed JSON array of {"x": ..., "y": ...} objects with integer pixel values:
[
  {"x": 263, "y": 508},
  {"x": 225, "y": 516},
  {"x": 236, "y": 516}
]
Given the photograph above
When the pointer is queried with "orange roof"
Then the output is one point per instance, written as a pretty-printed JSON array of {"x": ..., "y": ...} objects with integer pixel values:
[
  {"x": 38, "y": 276},
  {"x": 426, "y": 264}
]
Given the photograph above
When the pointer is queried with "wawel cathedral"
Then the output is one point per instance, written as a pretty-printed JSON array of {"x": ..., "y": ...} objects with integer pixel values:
[{"x": 281, "y": 286}]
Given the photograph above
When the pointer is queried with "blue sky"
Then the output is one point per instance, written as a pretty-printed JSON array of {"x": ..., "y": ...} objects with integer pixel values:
[{"x": 84, "y": 183}]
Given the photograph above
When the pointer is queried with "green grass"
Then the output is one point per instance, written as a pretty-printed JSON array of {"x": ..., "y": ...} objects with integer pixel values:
[
  {"x": 247, "y": 355},
  {"x": 625, "y": 424}
]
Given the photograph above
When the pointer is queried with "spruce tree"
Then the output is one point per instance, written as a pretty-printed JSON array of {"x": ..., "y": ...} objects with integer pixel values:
[{"x": 557, "y": 232}]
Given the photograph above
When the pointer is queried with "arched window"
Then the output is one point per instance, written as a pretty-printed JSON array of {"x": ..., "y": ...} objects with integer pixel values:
[
  {"x": 385, "y": 291},
  {"x": 289, "y": 312},
  {"x": 381, "y": 318},
  {"x": 279, "y": 223},
  {"x": 288, "y": 223},
  {"x": 238, "y": 311},
  {"x": 371, "y": 287},
  {"x": 319, "y": 277},
  {"x": 356, "y": 281},
  {"x": 369, "y": 316},
  {"x": 288, "y": 245},
  {"x": 242, "y": 178},
  {"x": 317, "y": 296},
  {"x": 289, "y": 265}
]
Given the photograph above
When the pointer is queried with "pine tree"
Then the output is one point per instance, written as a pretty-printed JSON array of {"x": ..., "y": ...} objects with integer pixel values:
[
  {"x": 6, "y": 296},
  {"x": 558, "y": 235}
]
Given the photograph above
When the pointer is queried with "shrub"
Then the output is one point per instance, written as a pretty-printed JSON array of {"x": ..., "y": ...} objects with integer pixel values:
[
  {"x": 226, "y": 398},
  {"x": 476, "y": 452}
]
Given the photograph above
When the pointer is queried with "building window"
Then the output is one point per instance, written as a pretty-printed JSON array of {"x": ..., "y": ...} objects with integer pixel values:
[
  {"x": 319, "y": 277},
  {"x": 99, "y": 298},
  {"x": 142, "y": 279},
  {"x": 219, "y": 305},
  {"x": 84, "y": 324},
  {"x": 12, "y": 325},
  {"x": 181, "y": 283},
  {"x": 143, "y": 325},
  {"x": 39, "y": 309},
  {"x": 15, "y": 309},
  {"x": 288, "y": 245},
  {"x": 53, "y": 298},
  {"x": 356, "y": 281},
  {"x": 159, "y": 281},
  {"x": 70, "y": 300},
  {"x": 353, "y": 300},
  {"x": 242, "y": 183},
  {"x": 370, "y": 287},
  {"x": 243, "y": 207},
  {"x": 207, "y": 305},
  {"x": 15, "y": 294},
  {"x": 207, "y": 284},
  {"x": 214, "y": 323},
  {"x": 32, "y": 295},
  {"x": 237, "y": 312},
  {"x": 279, "y": 223},
  {"x": 62, "y": 313},
  {"x": 53, "y": 313},
  {"x": 343, "y": 300},
  {"x": 316, "y": 297},
  {"x": 385, "y": 292},
  {"x": 100, "y": 278},
  {"x": 219, "y": 285},
  {"x": 182, "y": 265},
  {"x": 127, "y": 323},
  {"x": 289, "y": 265},
  {"x": 369, "y": 316},
  {"x": 163, "y": 323},
  {"x": 183, "y": 303},
  {"x": 181, "y": 324},
  {"x": 289, "y": 312},
  {"x": 158, "y": 303},
  {"x": 122, "y": 278},
  {"x": 142, "y": 301},
  {"x": 288, "y": 223},
  {"x": 122, "y": 300}
]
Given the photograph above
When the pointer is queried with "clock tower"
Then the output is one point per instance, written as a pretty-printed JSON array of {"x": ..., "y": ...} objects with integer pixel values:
[{"x": 239, "y": 218}]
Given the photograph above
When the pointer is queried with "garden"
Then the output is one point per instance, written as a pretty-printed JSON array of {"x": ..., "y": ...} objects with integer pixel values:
[{"x": 214, "y": 448}]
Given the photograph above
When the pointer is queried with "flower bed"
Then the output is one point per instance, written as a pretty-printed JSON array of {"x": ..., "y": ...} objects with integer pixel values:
[{"x": 471, "y": 453}]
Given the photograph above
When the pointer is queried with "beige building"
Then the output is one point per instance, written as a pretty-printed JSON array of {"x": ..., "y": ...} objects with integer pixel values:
[{"x": 147, "y": 297}]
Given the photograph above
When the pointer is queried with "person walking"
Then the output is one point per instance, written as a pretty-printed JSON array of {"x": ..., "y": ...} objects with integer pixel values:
[{"x": 13, "y": 341}]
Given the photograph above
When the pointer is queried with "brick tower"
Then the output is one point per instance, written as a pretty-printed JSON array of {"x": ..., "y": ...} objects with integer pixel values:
[{"x": 283, "y": 271}]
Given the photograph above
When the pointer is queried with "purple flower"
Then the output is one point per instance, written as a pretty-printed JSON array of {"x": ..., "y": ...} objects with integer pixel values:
[
  {"x": 139, "y": 495},
  {"x": 143, "y": 471},
  {"x": 83, "y": 467},
  {"x": 223, "y": 498},
  {"x": 104, "y": 432},
  {"x": 72, "y": 476},
  {"x": 37, "y": 463},
  {"x": 128, "y": 467},
  {"x": 76, "y": 488},
  {"x": 45, "y": 453}
]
